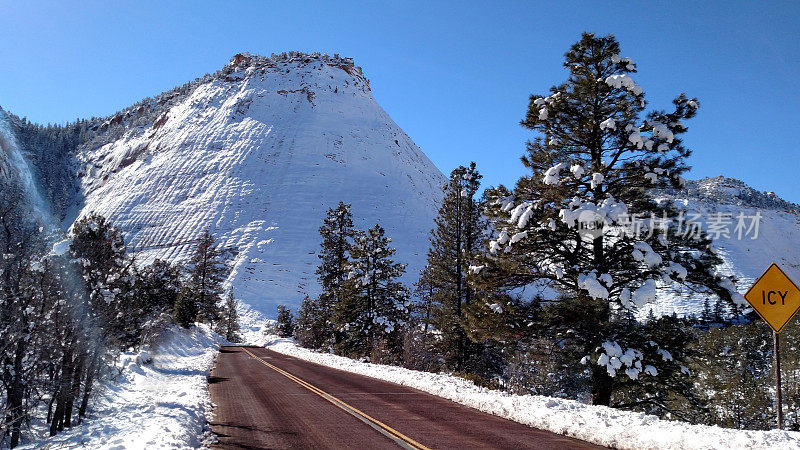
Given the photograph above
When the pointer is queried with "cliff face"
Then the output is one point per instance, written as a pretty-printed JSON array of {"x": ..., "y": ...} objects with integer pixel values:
[{"x": 256, "y": 153}]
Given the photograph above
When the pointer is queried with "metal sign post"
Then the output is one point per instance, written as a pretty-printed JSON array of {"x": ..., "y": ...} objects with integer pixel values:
[{"x": 779, "y": 403}]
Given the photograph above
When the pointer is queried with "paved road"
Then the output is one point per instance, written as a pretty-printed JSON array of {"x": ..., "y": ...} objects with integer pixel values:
[{"x": 265, "y": 399}]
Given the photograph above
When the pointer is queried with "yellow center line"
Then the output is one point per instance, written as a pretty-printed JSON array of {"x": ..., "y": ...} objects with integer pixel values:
[{"x": 388, "y": 431}]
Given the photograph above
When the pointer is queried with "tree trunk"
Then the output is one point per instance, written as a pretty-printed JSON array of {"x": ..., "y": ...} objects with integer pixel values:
[
  {"x": 50, "y": 408},
  {"x": 16, "y": 394},
  {"x": 599, "y": 256},
  {"x": 57, "y": 415},
  {"x": 87, "y": 386},
  {"x": 74, "y": 391},
  {"x": 64, "y": 385},
  {"x": 469, "y": 238},
  {"x": 601, "y": 386},
  {"x": 428, "y": 311},
  {"x": 459, "y": 287}
]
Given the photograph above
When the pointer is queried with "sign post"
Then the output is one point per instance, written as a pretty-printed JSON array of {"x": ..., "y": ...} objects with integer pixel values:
[
  {"x": 776, "y": 299},
  {"x": 778, "y": 402}
]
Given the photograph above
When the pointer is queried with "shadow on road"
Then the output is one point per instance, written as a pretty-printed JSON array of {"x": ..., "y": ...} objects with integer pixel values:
[{"x": 212, "y": 379}]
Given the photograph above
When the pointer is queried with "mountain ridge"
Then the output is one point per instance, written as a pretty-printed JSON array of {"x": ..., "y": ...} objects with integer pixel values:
[
  {"x": 722, "y": 189},
  {"x": 256, "y": 153}
]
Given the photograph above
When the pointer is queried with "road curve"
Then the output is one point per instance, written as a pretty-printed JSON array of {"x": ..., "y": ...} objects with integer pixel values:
[{"x": 264, "y": 399}]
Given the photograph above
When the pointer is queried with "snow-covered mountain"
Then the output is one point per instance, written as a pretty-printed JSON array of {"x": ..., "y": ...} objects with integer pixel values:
[
  {"x": 721, "y": 189},
  {"x": 256, "y": 153},
  {"x": 721, "y": 205}
]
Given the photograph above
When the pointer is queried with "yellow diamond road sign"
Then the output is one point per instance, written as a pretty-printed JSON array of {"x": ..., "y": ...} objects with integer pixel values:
[{"x": 774, "y": 297}]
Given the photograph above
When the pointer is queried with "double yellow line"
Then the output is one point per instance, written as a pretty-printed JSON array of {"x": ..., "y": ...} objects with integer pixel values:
[{"x": 398, "y": 437}]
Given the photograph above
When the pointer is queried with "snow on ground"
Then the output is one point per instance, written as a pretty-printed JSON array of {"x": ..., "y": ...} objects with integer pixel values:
[
  {"x": 255, "y": 327},
  {"x": 160, "y": 400},
  {"x": 598, "y": 424}
]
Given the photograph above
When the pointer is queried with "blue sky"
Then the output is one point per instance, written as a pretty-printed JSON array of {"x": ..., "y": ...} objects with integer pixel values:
[{"x": 454, "y": 75}]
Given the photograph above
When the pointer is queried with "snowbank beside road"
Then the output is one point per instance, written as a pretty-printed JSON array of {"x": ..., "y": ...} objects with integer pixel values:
[
  {"x": 159, "y": 401},
  {"x": 600, "y": 425}
]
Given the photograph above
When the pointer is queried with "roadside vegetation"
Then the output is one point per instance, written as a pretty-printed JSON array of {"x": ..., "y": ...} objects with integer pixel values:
[
  {"x": 542, "y": 288},
  {"x": 67, "y": 311}
]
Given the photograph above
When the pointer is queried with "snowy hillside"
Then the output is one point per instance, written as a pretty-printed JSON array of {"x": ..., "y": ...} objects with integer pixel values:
[
  {"x": 724, "y": 201},
  {"x": 257, "y": 153}
]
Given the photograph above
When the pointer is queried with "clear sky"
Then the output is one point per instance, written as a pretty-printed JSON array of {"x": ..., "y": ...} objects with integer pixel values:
[{"x": 454, "y": 75}]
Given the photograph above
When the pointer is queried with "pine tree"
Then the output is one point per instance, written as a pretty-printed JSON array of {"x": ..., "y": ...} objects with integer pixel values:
[
  {"x": 63, "y": 315},
  {"x": 373, "y": 305},
  {"x": 705, "y": 314},
  {"x": 311, "y": 327},
  {"x": 155, "y": 291},
  {"x": 735, "y": 364},
  {"x": 337, "y": 233},
  {"x": 107, "y": 270},
  {"x": 424, "y": 292},
  {"x": 458, "y": 235},
  {"x": 184, "y": 313},
  {"x": 584, "y": 223},
  {"x": 285, "y": 322},
  {"x": 157, "y": 287},
  {"x": 229, "y": 324},
  {"x": 719, "y": 312},
  {"x": 111, "y": 313},
  {"x": 207, "y": 272}
]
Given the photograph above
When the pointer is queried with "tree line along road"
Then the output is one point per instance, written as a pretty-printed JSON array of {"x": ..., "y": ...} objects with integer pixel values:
[{"x": 264, "y": 399}]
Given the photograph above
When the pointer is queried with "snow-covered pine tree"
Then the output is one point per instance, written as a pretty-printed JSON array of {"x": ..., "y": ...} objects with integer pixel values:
[
  {"x": 60, "y": 339},
  {"x": 458, "y": 235},
  {"x": 228, "y": 325},
  {"x": 337, "y": 233},
  {"x": 157, "y": 287},
  {"x": 110, "y": 320},
  {"x": 285, "y": 322},
  {"x": 568, "y": 225},
  {"x": 207, "y": 272},
  {"x": 155, "y": 292},
  {"x": 106, "y": 268},
  {"x": 372, "y": 309},
  {"x": 62, "y": 314},
  {"x": 736, "y": 374}
]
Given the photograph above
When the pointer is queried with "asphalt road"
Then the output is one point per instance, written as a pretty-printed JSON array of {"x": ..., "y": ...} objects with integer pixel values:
[{"x": 265, "y": 399}]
